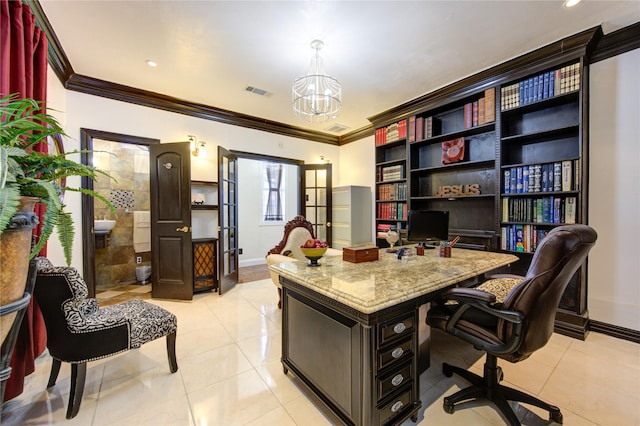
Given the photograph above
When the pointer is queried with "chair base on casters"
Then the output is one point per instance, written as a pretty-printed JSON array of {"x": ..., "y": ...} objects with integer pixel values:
[{"x": 489, "y": 388}]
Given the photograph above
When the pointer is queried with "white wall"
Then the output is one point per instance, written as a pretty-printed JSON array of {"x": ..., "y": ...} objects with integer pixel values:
[
  {"x": 356, "y": 167},
  {"x": 78, "y": 110},
  {"x": 614, "y": 190},
  {"x": 256, "y": 237}
]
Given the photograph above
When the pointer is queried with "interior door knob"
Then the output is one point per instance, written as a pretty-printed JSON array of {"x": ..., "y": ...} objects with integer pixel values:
[
  {"x": 328, "y": 224},
  {"x": 184, "y": 229}
]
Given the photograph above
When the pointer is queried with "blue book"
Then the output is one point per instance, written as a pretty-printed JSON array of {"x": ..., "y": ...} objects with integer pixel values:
[
  {"x": 519, "y": 180},
  {"x": 545, "y": 93},
  {"x": 525, "y": 179},
  {"x": 551, "y": 83},
  {"x": 507, "y": 181},
  {"x": 512, "y": 181}
]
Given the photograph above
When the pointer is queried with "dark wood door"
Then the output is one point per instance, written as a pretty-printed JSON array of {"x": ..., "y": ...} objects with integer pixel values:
[
  {"x": 171, "y": 245},
  {"x": 316, "y": 199},
  {"x": 228, "y": 219}
]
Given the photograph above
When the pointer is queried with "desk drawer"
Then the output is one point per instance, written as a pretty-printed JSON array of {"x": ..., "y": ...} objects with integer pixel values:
[
  {"x": 396, "y": 406},
  {"x": 396, "y": 329},
  {"x": 395, "y": 352},
  {"x": 394, "y": 380}
]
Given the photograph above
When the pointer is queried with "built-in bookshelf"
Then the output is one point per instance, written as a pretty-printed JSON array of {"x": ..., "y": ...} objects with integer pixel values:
[
  {"x": 504, "y": 152},
  {"x": 391, "y": 180}
]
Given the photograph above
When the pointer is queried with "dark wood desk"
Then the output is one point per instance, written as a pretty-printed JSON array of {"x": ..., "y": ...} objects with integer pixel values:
[{"x": 350, "y": 332}]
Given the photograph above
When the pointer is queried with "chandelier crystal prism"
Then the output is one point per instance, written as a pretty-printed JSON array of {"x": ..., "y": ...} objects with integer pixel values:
[{"x": 317, "y": 97}]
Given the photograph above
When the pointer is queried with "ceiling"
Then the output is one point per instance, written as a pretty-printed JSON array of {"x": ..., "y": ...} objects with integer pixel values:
[{"x": 384, "y": 53}]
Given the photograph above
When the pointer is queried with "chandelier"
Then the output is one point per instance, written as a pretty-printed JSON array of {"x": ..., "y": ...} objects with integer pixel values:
[{"x": 317, "y": 97}]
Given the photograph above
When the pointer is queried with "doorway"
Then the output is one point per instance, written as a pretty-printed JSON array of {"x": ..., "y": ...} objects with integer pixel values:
[{"x": 126, "y": 158}]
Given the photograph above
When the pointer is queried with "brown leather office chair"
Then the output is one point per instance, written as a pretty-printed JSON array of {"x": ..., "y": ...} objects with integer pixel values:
[{"x": 517, "y": 327}]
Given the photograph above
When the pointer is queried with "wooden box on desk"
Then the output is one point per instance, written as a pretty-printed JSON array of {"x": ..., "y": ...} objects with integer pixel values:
[{"x": 360, "y": 254}]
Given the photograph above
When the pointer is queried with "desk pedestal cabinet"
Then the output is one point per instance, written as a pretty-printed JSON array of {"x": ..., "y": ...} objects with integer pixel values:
[{"x": 364, "y": 368}]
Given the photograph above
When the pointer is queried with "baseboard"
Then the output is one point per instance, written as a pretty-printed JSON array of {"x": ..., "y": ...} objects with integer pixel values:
[
  {"x": 571, "y": 324},
  {"x": 615, "y": 331},
  {"x": 252, "y": 262}
]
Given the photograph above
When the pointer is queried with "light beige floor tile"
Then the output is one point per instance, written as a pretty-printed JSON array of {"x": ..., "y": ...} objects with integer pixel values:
[
  {"x": 172, "y": 411},
  {"x": 261, "y": 349},
  {"x": 276, "y": 417},
  {"x": 233, "y": 401},
  {"x": 305, "y": 412},
  {"x": 138, "y": 396},
  {"x": 207, "y": 368},
  {"x": 283, "y": 386}
]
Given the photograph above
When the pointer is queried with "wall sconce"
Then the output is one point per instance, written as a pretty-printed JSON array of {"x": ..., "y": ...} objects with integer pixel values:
[{"x": 198, "y": 148}]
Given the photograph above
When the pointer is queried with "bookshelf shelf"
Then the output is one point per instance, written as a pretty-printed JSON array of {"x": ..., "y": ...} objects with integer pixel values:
[
  {"x": 532, "y": 137},
  {"x": 485, "y": 128},
  {"x": 461, "y": 165}
]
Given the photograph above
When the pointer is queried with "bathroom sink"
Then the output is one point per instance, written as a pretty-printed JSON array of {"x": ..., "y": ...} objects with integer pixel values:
[{"x": 103, "y": 225}]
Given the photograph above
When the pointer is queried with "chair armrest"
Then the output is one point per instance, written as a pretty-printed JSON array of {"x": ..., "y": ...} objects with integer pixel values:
[
  {"x": 273, "y": 259},
  {"x": 470, "y": 298}
]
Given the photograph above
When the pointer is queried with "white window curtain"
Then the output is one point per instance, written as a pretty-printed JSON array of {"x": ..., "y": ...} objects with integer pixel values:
[{"x": 273, "y": 192}]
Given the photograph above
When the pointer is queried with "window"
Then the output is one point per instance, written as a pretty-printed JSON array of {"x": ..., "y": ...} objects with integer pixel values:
[{"x": 273, "y": 191}]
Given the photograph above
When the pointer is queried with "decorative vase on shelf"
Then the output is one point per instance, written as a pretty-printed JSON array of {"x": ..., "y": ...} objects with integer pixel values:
[{"x": 15, "y": 246}]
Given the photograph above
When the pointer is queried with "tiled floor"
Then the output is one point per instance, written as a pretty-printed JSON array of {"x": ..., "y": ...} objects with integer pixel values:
[{"x": 228, "y": 351}]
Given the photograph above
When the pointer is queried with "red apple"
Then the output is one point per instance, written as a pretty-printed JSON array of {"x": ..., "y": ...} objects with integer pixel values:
[{"x": 310, "y": 243}]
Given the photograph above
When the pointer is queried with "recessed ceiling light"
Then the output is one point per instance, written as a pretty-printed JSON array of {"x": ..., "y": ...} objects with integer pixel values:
[
  {"x": 151, "y": 63},
  {"x": 571, "y": 3}
]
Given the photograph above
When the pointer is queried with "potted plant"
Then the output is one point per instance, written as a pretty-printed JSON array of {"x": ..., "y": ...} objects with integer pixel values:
[{"x": 27, "y": 173}]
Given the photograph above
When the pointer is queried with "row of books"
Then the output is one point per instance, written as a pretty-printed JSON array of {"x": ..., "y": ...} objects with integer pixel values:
[
  {"x": 383, "y": 228},
  {"x": 388, "y": 173},
  {"x": 482, "y": 111},
  {"x": 539, "y": 210},
  {"x": 522, "y": 238},
  {"x": 423, "y": 128},
  {"x": 392, "y": 191},
  {"x": 548, "y": 177},
  {"x": 542, "y": 86},
  {"x": 392, "y": 133},
  {"x": 392, "y": 211}
]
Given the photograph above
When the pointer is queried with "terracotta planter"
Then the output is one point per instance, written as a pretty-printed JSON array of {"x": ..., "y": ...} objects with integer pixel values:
[{"x": 15, "y": 245}]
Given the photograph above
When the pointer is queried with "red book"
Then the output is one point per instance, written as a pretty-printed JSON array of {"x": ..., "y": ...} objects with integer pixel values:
[
  {"x": 468, "y": 115},
  {"x": 419, "y": 128},
  {"x": 490, "y": 105}
]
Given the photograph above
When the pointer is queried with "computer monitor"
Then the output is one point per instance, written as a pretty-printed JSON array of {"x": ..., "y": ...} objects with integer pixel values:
[{"x": 427, "y": 226}]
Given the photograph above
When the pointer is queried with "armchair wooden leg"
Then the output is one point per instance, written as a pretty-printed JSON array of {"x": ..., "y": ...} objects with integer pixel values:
[
  {"x": 279, "y": 298},
  {"x": 78, "y": 376},
  {"x": 171, "y": 352},
  {"x": 55, "y": 369}
]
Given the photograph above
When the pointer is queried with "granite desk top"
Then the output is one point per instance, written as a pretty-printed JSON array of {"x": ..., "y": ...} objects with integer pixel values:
[{"x": 372, "y": 286}]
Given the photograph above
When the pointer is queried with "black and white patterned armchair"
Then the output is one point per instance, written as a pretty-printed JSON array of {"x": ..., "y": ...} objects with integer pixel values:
[{"x": 79, "y": 331}]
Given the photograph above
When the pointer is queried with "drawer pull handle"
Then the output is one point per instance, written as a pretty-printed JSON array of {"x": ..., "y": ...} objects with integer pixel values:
[
  {"x": 397, "y": 379},
  {"x": 397, "y": 406},
  {"x": 399, "y": 327},
  {"x": 397, "y": 353}
]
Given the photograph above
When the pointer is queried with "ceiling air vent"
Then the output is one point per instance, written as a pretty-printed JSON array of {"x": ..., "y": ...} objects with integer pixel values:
[
  {"x": 256, "y": 90},
  {"x": 336, "y": 128}
]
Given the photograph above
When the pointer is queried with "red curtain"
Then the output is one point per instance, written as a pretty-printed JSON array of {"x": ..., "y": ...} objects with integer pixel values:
[{"x": 23, "y": 70}]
